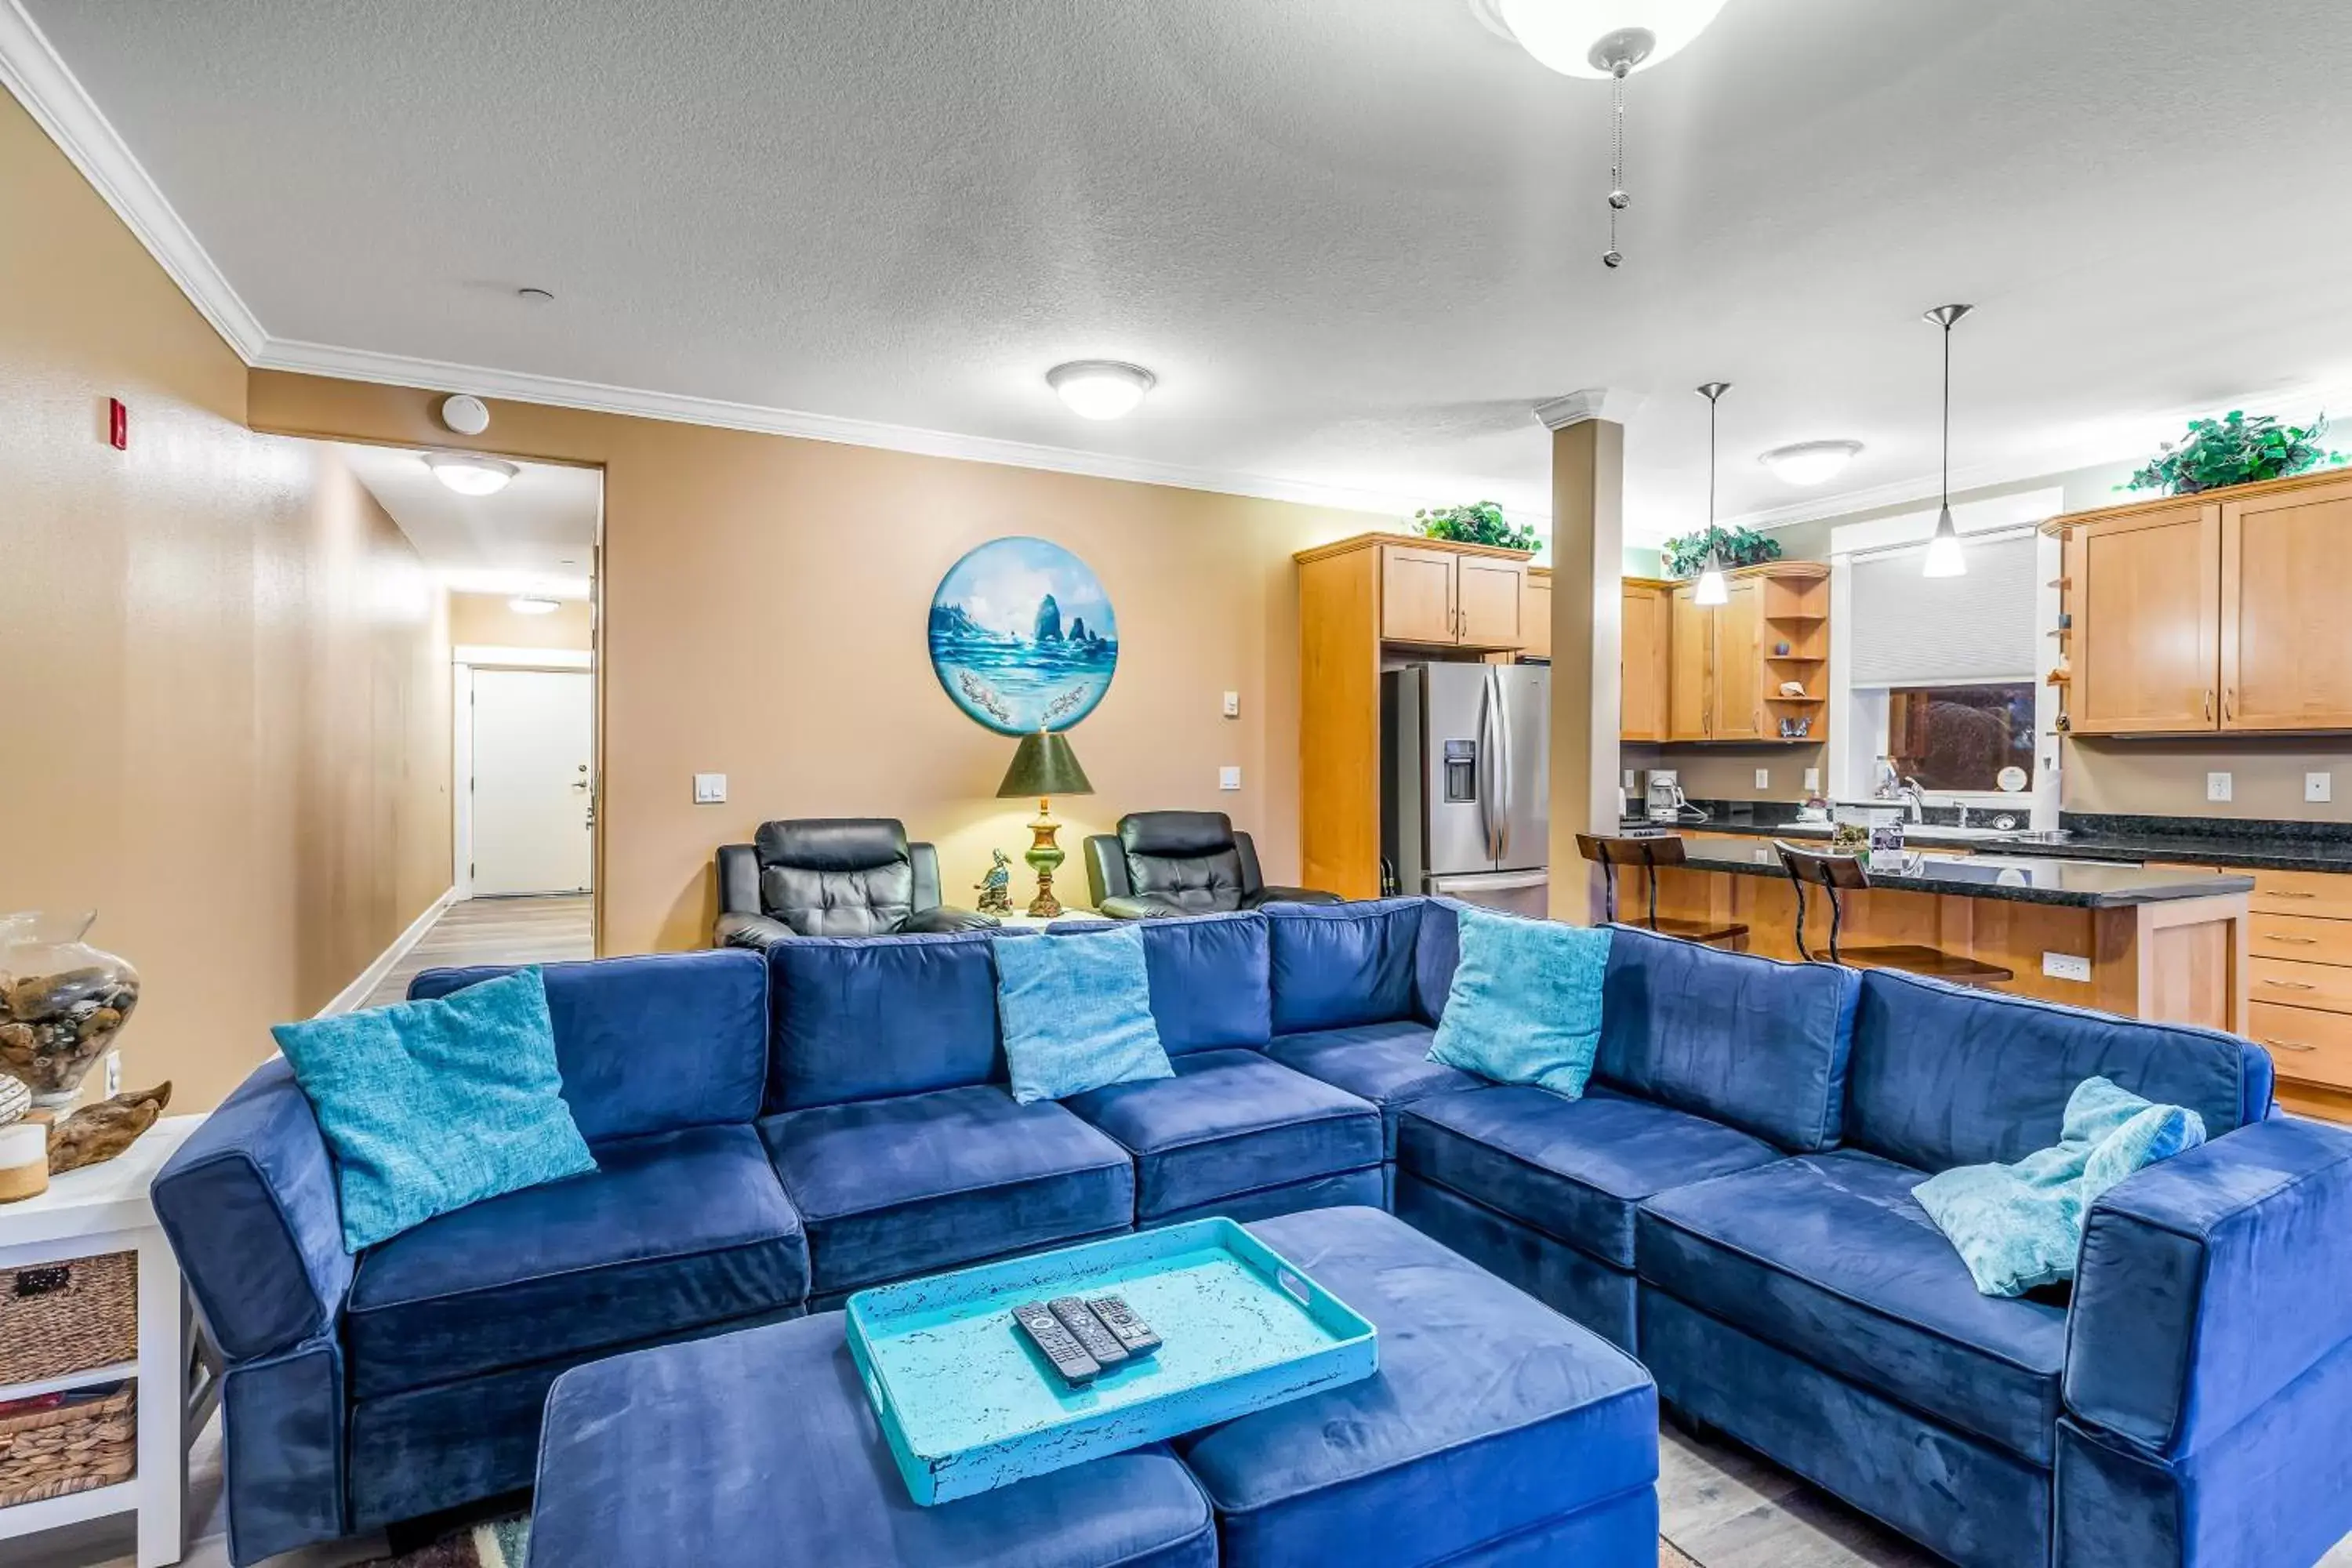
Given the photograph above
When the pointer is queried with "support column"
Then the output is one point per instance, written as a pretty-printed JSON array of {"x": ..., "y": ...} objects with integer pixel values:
[{"x": 1588, "y": 565}]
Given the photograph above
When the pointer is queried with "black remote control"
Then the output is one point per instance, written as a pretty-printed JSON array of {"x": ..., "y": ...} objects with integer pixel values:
[
  {"x": 1059, "y": 1345},
  {"x": 1119, "y": 1318},
  {"x": 1097, "y": 1341}
]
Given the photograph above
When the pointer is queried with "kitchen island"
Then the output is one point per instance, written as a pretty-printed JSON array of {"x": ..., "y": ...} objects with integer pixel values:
[{"x": 2144, "y": 941}]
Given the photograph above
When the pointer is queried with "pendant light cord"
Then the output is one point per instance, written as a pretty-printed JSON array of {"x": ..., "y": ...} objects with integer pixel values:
[{"x": 1948, "y": 413}]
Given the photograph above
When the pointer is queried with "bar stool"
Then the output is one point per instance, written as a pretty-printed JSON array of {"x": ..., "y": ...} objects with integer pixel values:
[
  {"x": 1845, "y": 873},
  {"x": 1652, "y": 851}
]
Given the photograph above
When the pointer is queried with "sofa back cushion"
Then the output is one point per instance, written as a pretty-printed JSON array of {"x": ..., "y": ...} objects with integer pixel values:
[
  {"x": 1749, "y": 1042},
  {"x": 1212, "y": 985},
  {"x": 1946, "y": 1075},
  {"x": 652, "y": 1044},
  {"x": 867, "y": 1017},
  {"x": 1338, "y": 965},
  {"x": 1436, "y": 953}
]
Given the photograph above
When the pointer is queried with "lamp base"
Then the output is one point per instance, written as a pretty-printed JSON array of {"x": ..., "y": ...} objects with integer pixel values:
[{"x": 1043, "y": 856}]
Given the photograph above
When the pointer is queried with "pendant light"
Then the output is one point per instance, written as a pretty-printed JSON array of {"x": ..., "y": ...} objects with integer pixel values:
[
  {"x": 1712, "y": 588},
  {"x": 1944, "y": 555}
]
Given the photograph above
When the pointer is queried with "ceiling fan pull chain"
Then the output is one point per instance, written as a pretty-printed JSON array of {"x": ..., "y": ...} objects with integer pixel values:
[{"x": 1618, "y": 199}]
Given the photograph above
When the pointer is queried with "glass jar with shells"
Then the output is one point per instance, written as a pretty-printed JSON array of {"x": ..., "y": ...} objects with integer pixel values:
[{"x": 62, "y": 1002}]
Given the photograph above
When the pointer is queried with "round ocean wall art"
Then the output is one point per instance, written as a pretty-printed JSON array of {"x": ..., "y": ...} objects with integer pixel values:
[{"x": 1023, "y": 636}]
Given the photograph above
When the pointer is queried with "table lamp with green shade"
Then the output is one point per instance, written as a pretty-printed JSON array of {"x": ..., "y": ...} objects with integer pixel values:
[{"x": 1043, "y": 765}]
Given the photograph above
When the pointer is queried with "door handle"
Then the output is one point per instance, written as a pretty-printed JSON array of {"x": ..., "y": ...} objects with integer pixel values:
[
  {"x": 2209, "y": 705},
  {"x": 2283, "y": 893},
  {"x": 2291, "y": 985},
  {"x": 2288, "y": 1045},
  {"x": 2229, "y": 705}
]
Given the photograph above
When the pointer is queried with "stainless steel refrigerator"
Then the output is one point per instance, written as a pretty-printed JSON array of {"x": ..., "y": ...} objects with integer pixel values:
[{"x": 1466, "y": 788}]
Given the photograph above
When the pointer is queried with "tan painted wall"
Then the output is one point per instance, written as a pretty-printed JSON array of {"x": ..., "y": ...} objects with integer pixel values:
[
  {"x": 224, "y": 671},
  {"x": 484, "y": 618},
  {"x": 2166, "y": 778},
  {"x": 764, "y": 602}
]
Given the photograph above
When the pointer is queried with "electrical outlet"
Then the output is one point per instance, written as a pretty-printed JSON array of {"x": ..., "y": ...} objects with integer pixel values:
[
  {"x": 710, "y": 789},
  {"x": 1229, "y": 778},
  {"x": 1763, "y": 778},
  {"x": 1233, "y": 704},
  {"x": 1812, "y": 781},
  {"x": 2217, "y": 786},
  {"x": 2068, "y": 965},
  {"x": 2319, "y": 787}
]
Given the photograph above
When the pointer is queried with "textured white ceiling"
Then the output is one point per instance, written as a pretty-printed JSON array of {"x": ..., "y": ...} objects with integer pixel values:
[
  {"x": 536, "y": 536},
  {"x": 1355, "y": 238}
]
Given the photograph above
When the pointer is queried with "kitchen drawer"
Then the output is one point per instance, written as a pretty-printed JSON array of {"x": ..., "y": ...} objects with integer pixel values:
[
  {"x": 2312, "y": 1047},
  {"x": 2321, "y": 986},
  {"x": 2323, "y": 895},
  {"x": 2300, "y": 938}
]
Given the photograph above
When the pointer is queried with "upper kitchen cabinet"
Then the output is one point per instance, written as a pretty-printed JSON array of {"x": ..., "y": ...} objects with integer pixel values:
[
  {"x": 1644, "y": 680},
  {"x": 2221, "y": 613},
  {"x": 1446, "y": 596},
  {"x": 1729, "y": 666}
]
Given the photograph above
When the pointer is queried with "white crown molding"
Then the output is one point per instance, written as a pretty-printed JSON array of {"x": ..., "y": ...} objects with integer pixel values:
[
  {"x": 54, "y": 97},
  {"x": 1613, "y": 403}
]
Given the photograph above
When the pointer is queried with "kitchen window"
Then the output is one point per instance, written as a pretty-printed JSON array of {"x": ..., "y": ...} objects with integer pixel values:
[{"x": 1960, "y": 738}]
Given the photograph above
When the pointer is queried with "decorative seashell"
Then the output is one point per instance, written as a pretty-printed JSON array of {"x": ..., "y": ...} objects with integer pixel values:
[{"x": 15, "y": 1099}]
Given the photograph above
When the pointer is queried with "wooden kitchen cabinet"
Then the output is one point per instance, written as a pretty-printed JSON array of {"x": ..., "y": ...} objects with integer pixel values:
[
  {"x": 1535, "y": 614},
  {"x": 1489, "y": 595},
  {"x": 1690, "y": 667},
  {"x": 1444, "y": 596},
  {"x": 2146, "y": 592},
  {"x": 1737, "y": 712},
  {"x": 1417, "y": 596},
  {"x": 2286, "y": 628},
  {"x": 1724, "y": 665},
  {"x": 1642, "y": 679}
]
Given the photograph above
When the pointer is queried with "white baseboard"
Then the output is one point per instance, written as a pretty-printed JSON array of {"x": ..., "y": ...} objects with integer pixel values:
[{"x": 358, "y": 990}]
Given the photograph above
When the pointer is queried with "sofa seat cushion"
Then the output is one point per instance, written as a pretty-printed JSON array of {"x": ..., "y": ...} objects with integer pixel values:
[
  {"x": 894, "y": 1188},
  {"x": 1231, "y": 1122},
  {"x": 1829, "y": 1257},
  {"x": 673, "y": 1231},
  {"x": 1387, "y": 1063},
  {"x": 1573, "y": 1169},
  {"x": 1491, "y": 1416}
]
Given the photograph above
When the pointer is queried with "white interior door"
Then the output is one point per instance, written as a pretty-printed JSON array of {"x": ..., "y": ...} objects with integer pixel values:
[{"x": 531, "y": 783}]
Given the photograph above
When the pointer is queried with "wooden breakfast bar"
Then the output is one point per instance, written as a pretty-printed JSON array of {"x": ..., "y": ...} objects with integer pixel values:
[{"x": 2143, "y": 942}]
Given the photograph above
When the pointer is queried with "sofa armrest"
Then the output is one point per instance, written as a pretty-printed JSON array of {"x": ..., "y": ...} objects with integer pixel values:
[
  {"x": 2210, "y": 1282},
  {"x": 1280, "y": 895},
  {"x": 757, "y": 932},
  {"x": 1141, "y": 907},
  {"x": 942, "y": 920},
  {"x": 250, "y": 1207}
]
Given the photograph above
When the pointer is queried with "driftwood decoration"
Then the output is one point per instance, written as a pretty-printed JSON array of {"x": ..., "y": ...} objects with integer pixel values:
[{"x": 99, "y": 1133}]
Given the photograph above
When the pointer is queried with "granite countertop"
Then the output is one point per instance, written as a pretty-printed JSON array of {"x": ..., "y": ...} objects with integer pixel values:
[
  {"x": 2267, "y": 846},
  {"x": 2083, "y": 884}
]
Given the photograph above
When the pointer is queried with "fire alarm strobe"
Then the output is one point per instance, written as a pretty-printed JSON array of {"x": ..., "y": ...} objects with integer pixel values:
[{"x": 465, "y": 414}]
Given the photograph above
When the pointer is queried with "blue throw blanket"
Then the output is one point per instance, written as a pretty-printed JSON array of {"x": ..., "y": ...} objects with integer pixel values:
[{"x": 2018, "y": 1227}]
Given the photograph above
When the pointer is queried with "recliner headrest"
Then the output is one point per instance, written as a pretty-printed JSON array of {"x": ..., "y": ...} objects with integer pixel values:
[
  {"x": 1176, "y": 832},
  {"x": 832, "y": 843}
]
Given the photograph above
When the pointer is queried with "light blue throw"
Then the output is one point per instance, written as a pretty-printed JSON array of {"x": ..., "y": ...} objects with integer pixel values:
[
  {"x": 1525, "y": 1007},
  {"x": 431, "y": 1106},
  {"x": 2019, "y": 1226},
  {"x": 1077, "y": 1012}
]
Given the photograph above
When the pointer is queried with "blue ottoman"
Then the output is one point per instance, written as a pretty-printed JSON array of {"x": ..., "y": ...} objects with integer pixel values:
[
  {"x": 1495, "y": 1432},
  {"x": 758, "y": 1450}
]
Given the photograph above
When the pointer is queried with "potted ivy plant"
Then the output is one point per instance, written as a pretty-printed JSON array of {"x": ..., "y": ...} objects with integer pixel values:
[
  {"x": 2234, "y": 450},
  {"x": 1479, "y": 522},
  {"x": 1688, "y": 556}
]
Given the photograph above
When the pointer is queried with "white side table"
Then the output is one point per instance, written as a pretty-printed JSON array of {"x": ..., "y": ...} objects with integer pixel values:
[
  {"x": 105, "y": 1208},
  {"x": 1039, "y": 922}
]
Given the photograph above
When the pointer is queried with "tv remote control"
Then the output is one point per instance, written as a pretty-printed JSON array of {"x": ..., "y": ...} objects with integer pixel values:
[
  {"x": 1119, "y": 1318},
  {"x": 1097, "y": 1341},
  {"x": 1059, "y": 1345}
]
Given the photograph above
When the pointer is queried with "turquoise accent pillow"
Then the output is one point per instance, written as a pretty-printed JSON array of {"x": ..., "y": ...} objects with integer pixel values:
[
  {"x": 2020, "y": 1226},
  {"x": 431, "y": 1106},
  {"x": 1077, "y": 1012},
  {"x": 1525, "y": 1002}
]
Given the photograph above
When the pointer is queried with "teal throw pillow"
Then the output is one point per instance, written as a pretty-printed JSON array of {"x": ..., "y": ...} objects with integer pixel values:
[
  {"x": 1077, "y": 1012},
  {"x": 431, "y": 1106},
  {"x": 2020, "y": 1226},
  {"x": 1525, "y": 1002}
]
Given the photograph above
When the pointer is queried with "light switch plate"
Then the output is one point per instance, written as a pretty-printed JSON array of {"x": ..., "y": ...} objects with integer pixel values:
[
  {"x": 2217, "y": 786},
  {"x": 1812, "y": 781},
  {"x": 2065, "y": 967},
  {"x": 1229, "y": 778},
  {"x": 710, "y": 789},
  {"x": 1763, "y": 778},
  {"x": 2319, "y": 786},
  {"x": 1233, "y": 704}
]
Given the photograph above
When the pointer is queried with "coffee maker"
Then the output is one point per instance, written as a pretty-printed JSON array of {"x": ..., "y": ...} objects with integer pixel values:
[{"x": 1666, "y": 796}]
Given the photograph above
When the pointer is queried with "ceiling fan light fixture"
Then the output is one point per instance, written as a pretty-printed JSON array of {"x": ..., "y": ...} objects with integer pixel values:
[
  {"x": 1808, "y": 463},
  {"x": 1597, "y": 38},
  {"x": 1101, "y": 388},
  {"x": 470, "y": 473}
]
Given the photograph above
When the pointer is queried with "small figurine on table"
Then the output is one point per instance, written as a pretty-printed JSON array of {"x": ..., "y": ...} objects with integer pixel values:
[{"x": 995, "y": 889}]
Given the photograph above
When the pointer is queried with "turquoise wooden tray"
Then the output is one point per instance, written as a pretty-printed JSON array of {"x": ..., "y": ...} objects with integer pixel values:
[{"x": 967, "y": 1405}]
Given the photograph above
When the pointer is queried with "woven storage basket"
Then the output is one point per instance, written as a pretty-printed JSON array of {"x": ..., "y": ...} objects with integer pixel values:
[
  {"x": 60, "y": 1318},
  {"x": 70, "y": 1449}
]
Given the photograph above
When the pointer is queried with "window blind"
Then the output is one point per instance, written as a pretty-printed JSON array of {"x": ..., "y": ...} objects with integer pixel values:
[{"x": 1910, "y": 630}]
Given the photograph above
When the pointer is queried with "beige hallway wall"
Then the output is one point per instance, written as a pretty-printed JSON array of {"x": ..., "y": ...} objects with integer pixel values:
[
  {"x": 484, "y": 619},
  {"x": 764, "y": 605},
  {"x": 224, "y": 671}
]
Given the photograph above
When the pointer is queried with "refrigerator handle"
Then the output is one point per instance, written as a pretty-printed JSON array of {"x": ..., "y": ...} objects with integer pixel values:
[
  {"x": 1488, "y": 742},
  {"x": 1503, "y": 766}
]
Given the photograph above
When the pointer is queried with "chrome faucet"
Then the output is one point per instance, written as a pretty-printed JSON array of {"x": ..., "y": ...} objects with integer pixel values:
[{"x": 1914, "y": 799}]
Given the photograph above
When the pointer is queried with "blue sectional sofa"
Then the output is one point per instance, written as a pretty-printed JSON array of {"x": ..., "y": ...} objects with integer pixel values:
[{"x": 1730, "y": 1202}]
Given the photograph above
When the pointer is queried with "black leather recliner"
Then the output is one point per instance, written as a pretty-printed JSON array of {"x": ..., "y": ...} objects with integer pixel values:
[
  {"x": 1163, "y": 863},
  {"x": 855, "y": 876}
]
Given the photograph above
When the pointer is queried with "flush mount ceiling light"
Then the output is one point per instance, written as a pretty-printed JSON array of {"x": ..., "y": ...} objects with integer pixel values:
[
  {"x": 526, "y": 605},
  {"x": 1944, "y": 555},
  {"x": 1602, "y": 39},
  {"x": 1712, "y": 588},
  {"x": 1100, "y": 388},
  {"x": 1810, "y": 462},
  {"x": 471, "y": 474}
]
